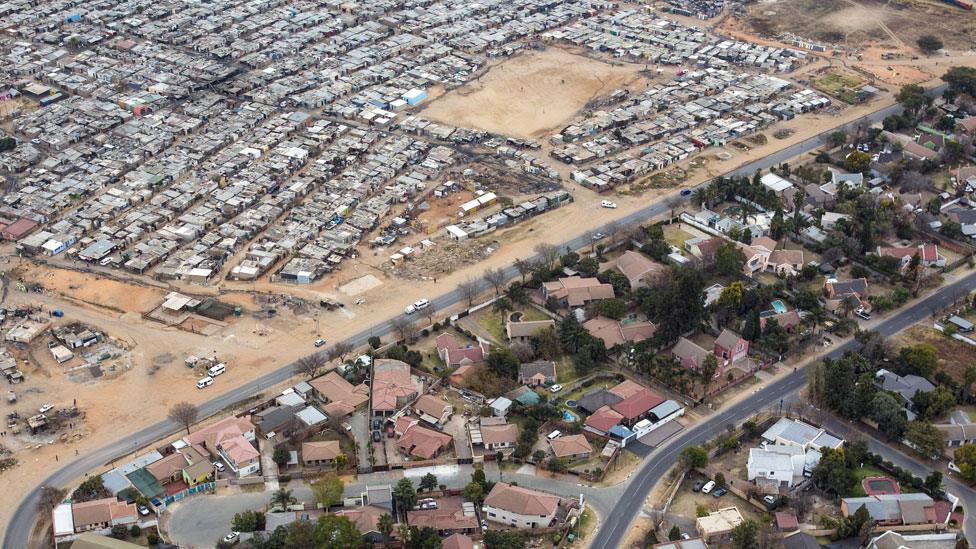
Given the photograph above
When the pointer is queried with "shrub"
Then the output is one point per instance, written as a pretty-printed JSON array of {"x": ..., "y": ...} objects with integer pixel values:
[
  {"x": 425, "y": 332},
  {"x": 152, "y": 538},
  {"x": 436, "y": 327},
  {"x": 119, "y": 531},
  {"x": 135, "y": 531}
]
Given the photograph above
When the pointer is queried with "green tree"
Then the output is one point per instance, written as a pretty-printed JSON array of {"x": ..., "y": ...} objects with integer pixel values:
[
  {"x": 961, "y": 80},
  {"x": 327, "y": 490},
  {"x": 927, "y": 439},
  {"x": 921, "y": 359},
  {"x": 965, "y": 458},
  {"x": 933, "y": 482},
  {"x": 929, "y": 43},
  {"x": 474, "y": 492},
  {"x": 858, "y": 161},
  {"x": 674, "y": 534},
  {"x": 935, "y": 403},
  {"x": 424, "y": 538},
  {"x": 335, "y": 532},
  {"x": 245, "y": 521},
  {"x": 611, "y": 308},
  {"x": 428, "y": 482},
  {"x": 693, "y": 457},
  {"x": 341, "y": 460},
  {"x": 385, "y": 525},
  {"x": 720, "y": 480},
  {"x": 889, "y": 414},
  {"x": 729, "y": 259},
  {"x": 504, "y": 539},
  {"x": 832, "y": 473},
  {"x": 374, "y": 342},
  {"x": 405, "y": 495},
  {"x": 281, "y": 498},
  {"x": 120, "y": 531},
  {"x": 913, "y": 98},
  {"x": 280, "y": 455},
  {"x": 745, "y": 535},
  {"x": 503, "y": 362},
  {"x": 707, "y": 371},
  {"x": 837, "y": 138},
  {"x": 731, "y": 296}
]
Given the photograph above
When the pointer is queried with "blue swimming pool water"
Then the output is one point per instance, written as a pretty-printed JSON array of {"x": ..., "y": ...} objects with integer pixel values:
[
  {"x": 779, "y": 306},
  {"x": 568, "y": 416}
]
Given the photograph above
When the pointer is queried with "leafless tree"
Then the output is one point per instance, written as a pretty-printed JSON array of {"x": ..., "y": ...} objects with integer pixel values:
[
  {"x": 309, "y": 365},
  {"x": 548, "y": 253},
  {"x": 673, "y": 202},
  {"x": 339, "y": 351},
  {"x": 523, "y": 267},
  {"x": 469, "y": 290},
  {"x": 523, "y": 351},
  {"x": 184, "y": 414},
  {"x": 50, "y": 498},
  {"x": 613, "y": 231},
  {"x": 403, "y": 326},
  {"x": 494, "y": 277}
]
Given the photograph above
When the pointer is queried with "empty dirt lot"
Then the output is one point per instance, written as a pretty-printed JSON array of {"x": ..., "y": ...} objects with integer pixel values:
[{"x": 533, "y": 94}]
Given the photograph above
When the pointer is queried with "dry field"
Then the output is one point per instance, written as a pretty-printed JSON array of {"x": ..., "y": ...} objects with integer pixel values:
[
  {"x": 954, "y": 356},
  {"x": 91, "y": 289},
  {"x": 532, "y": 94},
  {"x": 860, "y": 23}
]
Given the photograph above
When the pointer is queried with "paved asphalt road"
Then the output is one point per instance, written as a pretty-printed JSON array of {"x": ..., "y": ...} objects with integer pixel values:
[
  {"x": 22, "y": 521},
  {"x": 616, "y": 525}
]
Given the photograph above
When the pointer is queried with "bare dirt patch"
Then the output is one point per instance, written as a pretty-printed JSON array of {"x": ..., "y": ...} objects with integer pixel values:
[
  {"x": 532, "y": 94},
  {"x": 91, "y": 289}
]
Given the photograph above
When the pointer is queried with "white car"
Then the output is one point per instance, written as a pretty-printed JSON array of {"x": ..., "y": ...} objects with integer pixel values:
[
  {"x": 954, "y": 468},
  {"x": 319, "y": 342},
  {"x": 556, "y": 388},
  {"x": 708, "y": 487},
  {"x": 218, "y": 466},
  {"x": 608, "y": 204},
  {"x": 418, "y": 305},
  {"x": 232, "y": 537},
  {"x": 554, "y": 434},
  {"x": 46, "y": 408}
]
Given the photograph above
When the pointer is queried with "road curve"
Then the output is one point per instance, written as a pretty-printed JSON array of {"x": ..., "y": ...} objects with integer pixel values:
[
  {"x": 22, "y": 521},
  {"x": 615, "y": 526}
]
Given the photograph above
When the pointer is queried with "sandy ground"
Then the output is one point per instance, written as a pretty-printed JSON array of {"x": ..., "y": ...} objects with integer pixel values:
[{"x": 532, "y": 94}]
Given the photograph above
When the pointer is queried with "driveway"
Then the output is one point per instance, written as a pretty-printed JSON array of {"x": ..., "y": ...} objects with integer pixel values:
[{"x": 360, "y": 433}]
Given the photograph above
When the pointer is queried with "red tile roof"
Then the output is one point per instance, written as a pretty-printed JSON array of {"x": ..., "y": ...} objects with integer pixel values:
[{"x": 633, "y": 406}]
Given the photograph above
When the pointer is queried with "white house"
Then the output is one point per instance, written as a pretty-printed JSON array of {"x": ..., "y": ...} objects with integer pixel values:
[
  {"x": 780, "y": 466},
  {"x": 520, "y": 507}
]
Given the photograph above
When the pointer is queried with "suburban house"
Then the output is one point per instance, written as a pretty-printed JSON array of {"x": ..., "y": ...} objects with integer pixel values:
[
  {"x": 837, "y": 291},
  {"x": 907, "y": 386},
  {"x": 520, "y": 507},
  {"x": 597, "y": 398},
  {"x": 455, "y": 355},
  {"x": 777, "y": 468},
  {"x": 898, "y": 540},
  {"x": 792, "y": 432},
  {"x": 627, "y": 410},
  {"x": 393, "y": 386},
  {"x": 928, "y": 255},
  {"x": 958, "y": 434},
  {"x": 690, "y": 543},
  {"x": 614, "y": 332},
  {"x": 418, "y": 441},
  {"x": 525, "y": 330},
  {"x": 602, "y": 420},
  {"x": 97, "y": 514},
  {"x": 459, "y": 376},
  {"x": 689, "y": 354},
  {"x": 895, "y": 509},
  {"x": 457, "y": 541},
  {"x": 719, "y": 524},
  {"x": 571, "y": 447},
  {"x": 495, "y": 433},
  {"x": 340, "y": 397},
  {"x": 433, "y": 410},
  {"x": 574, "y": 291},
  {"x": 190, "y": 465},
  {"x": 730, "y": 347},
  {"x": 320, "y": 453},
  {"x": 452, "y": 516},
  {"x": 788, "y": 320},
  {"x": 638, "y": 268},
  {"x": 366, "y": 519},
  {"x": 540, "y": 372},
  {"x": 915, "y": 151},
  {"x": 230, "y": 439}
]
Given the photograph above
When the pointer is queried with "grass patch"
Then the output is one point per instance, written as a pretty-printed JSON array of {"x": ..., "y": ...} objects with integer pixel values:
[
  {"x": 565, "y": 370},
  {"x": 954, "y": 356},
  {"x": 861, "y": 474},
  {"x": 675, "y": 236},
  {"x": 494, "y": 322},
  {"x": 840, "y": 84}
]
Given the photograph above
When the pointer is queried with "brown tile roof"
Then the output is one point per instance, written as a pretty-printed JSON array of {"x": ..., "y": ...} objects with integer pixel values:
[
  {"x": 786, "y": 257},
  {"x": 603, "y": 419},
  {"x": 687, "y": 349},
  {"x": 457, "y": 541},
  {"x": 365, "y": 518},
  {"x": 570, "y": 445},
  {"x": 527, "y": 328},
  {"x": 391, "y": 381},
  {"x": 764, "y": 242},
  {"x": 335, "y": 388},
  {"x": 522, "y": 501},
  {"x": 578, "y": 291},
  {"x": 164, "y": 469},
  {"x": 635, "y": 266},
  {"x": 498, "y": 434},
  {"x": 422, "y": 442},
  {"x": 449, "y": 515},
  {"x": 626, "y": 388},
  {"x": 637, "y": 404},
  {"x": 727, "y": 339},
  {"x": 92, "y": 512},
  {"x": 431, "y": 405},
  {"x": 320, "y": 450},
  {"x": 613, "y": 332}
]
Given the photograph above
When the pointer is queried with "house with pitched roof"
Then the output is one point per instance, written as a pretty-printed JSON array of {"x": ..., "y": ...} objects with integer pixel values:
[
  {"x": 457, "y": 541},
  {"x": 366, "y": 519},
  {"x": 928, "y": 254},
  {"x": 574, "y": 291},
  {"x": 455, "y": 355},
  {"x": 789, "y": 320},
  {"x": 689, "y": 354},
  {"x": 524, "y": 331},
  {"x": 230, "y": 439},
  {"x": 340, "y": 397},
  {"x": 899, "y": 509},
  {"x": 418, "y": 441},
  {"x": 638, "y": 268},
  {"x": 393, "y": 386},
  {"x": 452, "y": 516},
  {"x": 614, "y": 332},
  {"x": 102, "y": 513},
  {"x": 540, "y": 372},
  {"x": 321, "y": 453},
  {"x": 792, "y": 432},
  {"x": 573, "y": 447},
  {"x": 602, "y": 420},
  {"x": 730, "y": 347},
  {"x": 433, "y": 410},
  {"x": 190, "y": 465},
  {"x": 495, "y": 435},
  {"x": 520, "y": 507},
  {"x": 855, "y": 290}
]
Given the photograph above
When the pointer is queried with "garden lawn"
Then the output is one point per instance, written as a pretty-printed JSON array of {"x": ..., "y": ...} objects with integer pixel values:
[{"x": 861, "y": 474}]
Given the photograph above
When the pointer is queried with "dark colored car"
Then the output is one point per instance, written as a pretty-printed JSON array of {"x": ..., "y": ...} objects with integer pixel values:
[
  {"x": 685, "y": 192},
  {"x": 376, "y": 423},
  {"x": 719, "y": 493},
  {"x": 698, "y": 486},
  {"x": 376, "y": 436}
]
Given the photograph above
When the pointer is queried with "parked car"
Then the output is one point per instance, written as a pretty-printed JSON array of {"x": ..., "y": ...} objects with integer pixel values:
[
  {"x": 708, "y": 487},
  {"x": 347, "y": 427},
  {"x": 608, "y": 204},
  {"x": 769, "y": 502},
  {"x": 719, "y": 493},
  {"x": 319, "y": 342},
  {"x": 46, "y": 408},
  {"x": 484, "y": 525},
  {"x": 599, "y": 236},
  {"x": 143, "y": 510},
  {"x": 219, "y": 466},
  {"x": 954, "y": 468},
  {"x": 554, "y": 434},
  {"x": 685, "y": 192},
  {"x": 418, "y": 305},
  {"x": 698, "y": 486},
  {"x": 376, "y": 423},
  {"x": 556, "y": 388},
  {"x": 376, "y": 436},
  {"x": 232, "y": 537}
]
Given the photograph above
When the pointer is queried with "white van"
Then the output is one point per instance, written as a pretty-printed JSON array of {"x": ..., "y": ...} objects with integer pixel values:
[
  {"x": 215, "y": 371},
  {"x": 204, "y": 382},
  {"x": 554, "y": 434},
  {"x": 708, "y": 487}
]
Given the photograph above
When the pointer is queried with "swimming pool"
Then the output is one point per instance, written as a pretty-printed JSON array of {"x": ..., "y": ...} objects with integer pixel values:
[
  {"x": 569, "y": 416},
  {"x": 779, "y": 306}
]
